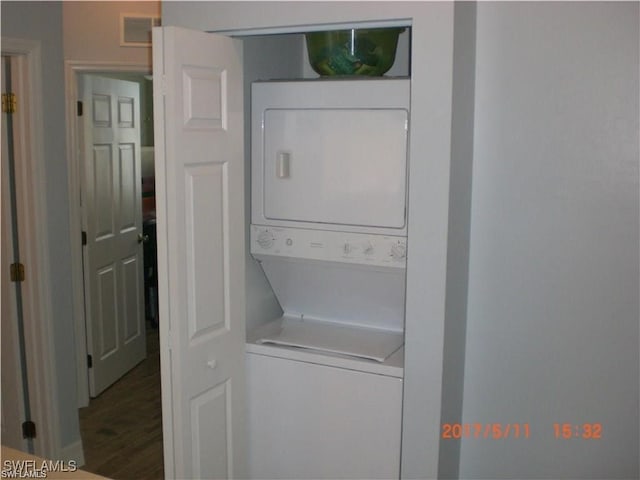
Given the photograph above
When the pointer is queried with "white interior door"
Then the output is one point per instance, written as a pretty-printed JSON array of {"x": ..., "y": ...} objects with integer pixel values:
[
  {"x": 12, "y": 411},
  {"x": 112, "y": 211},
  {"x": 199, "y": 203}
]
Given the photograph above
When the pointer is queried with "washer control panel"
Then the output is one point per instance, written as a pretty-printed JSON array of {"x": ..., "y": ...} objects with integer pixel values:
[{"x": 359, "y": 248}]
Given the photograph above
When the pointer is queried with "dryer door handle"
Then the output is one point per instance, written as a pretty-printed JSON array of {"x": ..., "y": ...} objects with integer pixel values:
[{"x": 283, "y": 161}]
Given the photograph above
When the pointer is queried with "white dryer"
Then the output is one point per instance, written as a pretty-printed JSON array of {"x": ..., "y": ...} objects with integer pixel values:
[
  {"x": 330, "y": 154},
  {"x": 329, "y": 176}
]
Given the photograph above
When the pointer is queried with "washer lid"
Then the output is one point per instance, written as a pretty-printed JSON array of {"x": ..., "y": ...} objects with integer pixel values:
[
  {"x": 365, "y": 343},
  {"x": 338, "y": 292}
]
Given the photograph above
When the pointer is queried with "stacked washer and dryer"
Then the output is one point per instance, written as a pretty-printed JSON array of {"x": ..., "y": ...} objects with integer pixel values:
[{"x": 329, "y": 196}]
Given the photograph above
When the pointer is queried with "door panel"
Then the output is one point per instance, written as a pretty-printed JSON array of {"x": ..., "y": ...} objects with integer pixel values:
[
  {"x": 131, "y": 296},
  {"x": 112, "y": 212},
  {"x": 126, "y": 111},
  {"x": 200, "y": 208},
  {"x": 206, "y": 187},
  {"x": 128, "y": 187},
  {"x": 102, "y": 182},
  {"x": 211, "y": 433},
  {"x": 349, "y": 166},
  {"x": 204, "y": 97},
  {"x": 108, "y": 311}
]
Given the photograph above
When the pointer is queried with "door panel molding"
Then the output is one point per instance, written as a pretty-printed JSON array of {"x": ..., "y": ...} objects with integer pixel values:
[
  {"x": 217, "y": 460},
  {"x": 206, "y": 184},
  {"x": 205, "y": 91}
]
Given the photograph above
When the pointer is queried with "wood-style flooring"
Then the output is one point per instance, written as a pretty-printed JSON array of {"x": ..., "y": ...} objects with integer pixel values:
[{"x": 122, "y": 428}]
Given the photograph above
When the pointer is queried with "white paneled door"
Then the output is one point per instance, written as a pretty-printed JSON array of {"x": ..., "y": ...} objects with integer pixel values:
[
  {"x": 200, "y": 206},
  {"x": 112, "y": 219}
]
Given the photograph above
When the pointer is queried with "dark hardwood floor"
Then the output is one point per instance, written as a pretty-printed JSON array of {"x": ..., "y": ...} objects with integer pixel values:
[{"x": 122, "y": 428}]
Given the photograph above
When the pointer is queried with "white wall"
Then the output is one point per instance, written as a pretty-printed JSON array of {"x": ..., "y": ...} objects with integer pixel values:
[
  {"x": 92, "y": 31},
  {"x": 552, "y": 332},
  {"x": 464, "y": 49}
]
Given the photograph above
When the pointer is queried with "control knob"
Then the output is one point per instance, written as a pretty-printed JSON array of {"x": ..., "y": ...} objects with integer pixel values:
[
  {"x": 398, "y": 251},
  {"x": 265, "y": 239},
  {"x": 368, "y": 249}
]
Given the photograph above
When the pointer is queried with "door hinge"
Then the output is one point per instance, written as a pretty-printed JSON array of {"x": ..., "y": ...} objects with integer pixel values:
[
  {"x": 79, "y": 107},
  {"x": 9, "y": 103},
  {"x": 84, "y": 237},
  {"x": 28, "y": 429},
  {"x": 89, "y": 361},
  {"x": 17, "y": 272}
]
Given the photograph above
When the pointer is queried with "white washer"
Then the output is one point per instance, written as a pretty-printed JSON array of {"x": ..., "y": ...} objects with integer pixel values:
[{"x": 325, "y": 379}]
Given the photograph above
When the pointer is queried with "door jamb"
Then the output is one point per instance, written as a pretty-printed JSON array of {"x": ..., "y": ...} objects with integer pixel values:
[
  {"x": 34, "y": 245},
  {"x": 72, "y": 70}
]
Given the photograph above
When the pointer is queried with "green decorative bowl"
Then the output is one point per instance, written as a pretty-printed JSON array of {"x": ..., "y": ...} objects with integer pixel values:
[{"x": 353, "y": 52}]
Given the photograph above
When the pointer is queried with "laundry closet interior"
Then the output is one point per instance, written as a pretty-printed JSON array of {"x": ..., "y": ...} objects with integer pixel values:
[{"x": 326, "y": 169}]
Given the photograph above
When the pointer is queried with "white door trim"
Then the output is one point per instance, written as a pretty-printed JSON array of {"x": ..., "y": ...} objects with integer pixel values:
[
  {"x": 34, "y": 244},
  {"x": 72, "y": 69}
]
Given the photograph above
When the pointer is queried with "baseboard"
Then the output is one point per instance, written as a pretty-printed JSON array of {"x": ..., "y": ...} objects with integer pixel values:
[{"x": 73, "y": 451}]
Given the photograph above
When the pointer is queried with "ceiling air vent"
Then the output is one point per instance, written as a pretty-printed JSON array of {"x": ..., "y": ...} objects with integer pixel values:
[{"x": 135, "y": 30}]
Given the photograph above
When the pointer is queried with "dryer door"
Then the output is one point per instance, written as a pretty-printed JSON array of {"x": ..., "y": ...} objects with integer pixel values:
[{"x": 336, "y": 165}]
